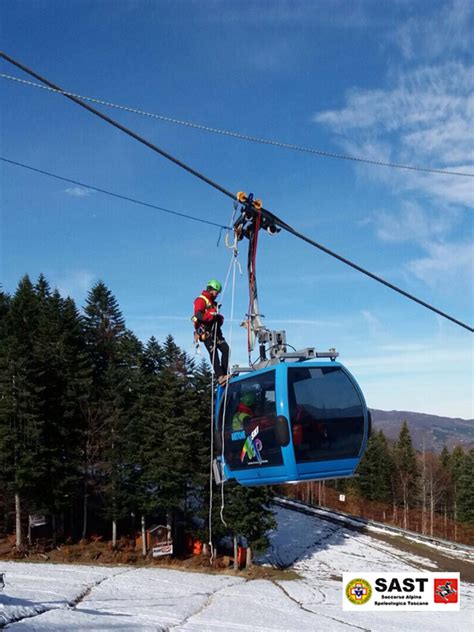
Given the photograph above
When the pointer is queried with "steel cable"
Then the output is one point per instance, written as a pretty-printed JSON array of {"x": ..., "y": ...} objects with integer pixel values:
[{"x": 268, "y": 214}]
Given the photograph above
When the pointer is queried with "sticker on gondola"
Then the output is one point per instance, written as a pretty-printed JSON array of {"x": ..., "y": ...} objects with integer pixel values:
[
  {"x": 401, "y": 591},
  {"x": 252, "y": 449}
]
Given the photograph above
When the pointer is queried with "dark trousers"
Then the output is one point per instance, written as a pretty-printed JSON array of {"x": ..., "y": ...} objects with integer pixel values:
[{"x": 219, "y": 364}]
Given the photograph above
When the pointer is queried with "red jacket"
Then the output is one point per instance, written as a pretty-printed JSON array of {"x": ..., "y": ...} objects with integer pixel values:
[{"x": 205, "y": 310}]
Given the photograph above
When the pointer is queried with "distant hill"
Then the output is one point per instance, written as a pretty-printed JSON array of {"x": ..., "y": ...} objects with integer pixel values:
[{"x": 435, "y": 431}]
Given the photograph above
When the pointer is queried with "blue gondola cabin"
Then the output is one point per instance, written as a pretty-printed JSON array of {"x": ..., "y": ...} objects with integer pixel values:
[{"x": 293, "y": 421}]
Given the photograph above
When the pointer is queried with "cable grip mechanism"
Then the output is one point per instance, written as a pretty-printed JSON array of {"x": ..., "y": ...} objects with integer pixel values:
[{"x": 249, "y": 200}]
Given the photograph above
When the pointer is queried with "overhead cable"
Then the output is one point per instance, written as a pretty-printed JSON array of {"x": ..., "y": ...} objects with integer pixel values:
[
  {"x": 119, "y": 126},
  {"x": 116, "y": 195},
  {"x": 270, "y": 216},
  {"x": 310, "y": 241},
  {"x": 247, "y": 137}
]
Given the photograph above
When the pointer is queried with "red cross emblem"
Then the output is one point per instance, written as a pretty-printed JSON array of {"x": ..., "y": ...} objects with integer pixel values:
[{"x": 358, "y": 591}]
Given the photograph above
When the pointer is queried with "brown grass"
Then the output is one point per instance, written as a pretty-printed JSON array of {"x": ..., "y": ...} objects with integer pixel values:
[{"x": 96, "y": 552}]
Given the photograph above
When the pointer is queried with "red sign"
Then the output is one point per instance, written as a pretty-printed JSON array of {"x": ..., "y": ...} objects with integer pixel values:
[{"x": 446, "y": 590}]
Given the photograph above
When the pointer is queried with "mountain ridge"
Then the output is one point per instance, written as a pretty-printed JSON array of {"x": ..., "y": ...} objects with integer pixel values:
[{"x": 434, "y": 431}]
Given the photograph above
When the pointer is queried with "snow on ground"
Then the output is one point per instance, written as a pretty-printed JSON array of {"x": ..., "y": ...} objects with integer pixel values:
[
  {"x": 322, "y": 551},
  {"x": 60, "y": 598},
  {"x": 121, "y": 598},
  {"x": 35, "y": 588},
  {"x": 444, "y": 546}
]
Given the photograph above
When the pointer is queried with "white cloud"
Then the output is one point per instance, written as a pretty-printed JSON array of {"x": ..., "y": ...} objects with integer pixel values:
[
  {"x": 413, "y": 223},
  {"x": 423, "y": 96},
  {"x": 424, "y": 119},
  {"x": 445, "y": 261},
  {"x": 445, "y": 31},
  {"x": 454, "y": 190},
  {"x": 421, "y": 117},
  {"x": 76, "y": 283},
  {"x": 375, "y": 326},
  {"x": 78, "y": 191}
]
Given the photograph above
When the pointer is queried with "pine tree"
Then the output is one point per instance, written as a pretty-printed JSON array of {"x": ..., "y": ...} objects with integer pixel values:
[
  {"x": 170, "y": 415},
  {"x": 456, "y": 461},
  {"x": 203, "y": 404},
  {"x": 4, "y": 309},
  {"x": 445, "y": 457},
  {"x": 21, "y": 423},
  {"x": 110, "y": 348},
  {"x": 465, "y": 488},
  {"x": 406, "y": 471},
  {"x": 152, "y": 360},
  {"x": 65, "y": 379},
  {"x": 454, "y": 466},
  {"x": 5, "y": 406},
  {"x": 144, "y": 412},
  {"x": 145, "y": 502},
  {"x": 376, "y": 470},
  {"x": 448, "y": 495},
  {"x": 248, "y": 514},
  {"x": 104, "y": 327}
]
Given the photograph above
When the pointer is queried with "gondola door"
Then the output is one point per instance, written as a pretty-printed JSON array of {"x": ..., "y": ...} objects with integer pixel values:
[{"x": 255, "y": 433}]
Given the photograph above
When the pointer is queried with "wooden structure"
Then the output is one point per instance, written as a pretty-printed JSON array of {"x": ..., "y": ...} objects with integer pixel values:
[{"x": 155, "y": 535}]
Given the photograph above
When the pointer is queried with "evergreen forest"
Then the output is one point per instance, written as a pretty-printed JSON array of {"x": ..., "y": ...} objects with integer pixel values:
[
  {"x": 103, "y": 434},
  {"x": 421, "y": 491}
]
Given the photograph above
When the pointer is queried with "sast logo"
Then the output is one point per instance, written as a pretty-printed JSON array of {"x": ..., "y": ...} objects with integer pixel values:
[
  {"x": 358, "y": 591},
  {"x": 446, "y": 590}
]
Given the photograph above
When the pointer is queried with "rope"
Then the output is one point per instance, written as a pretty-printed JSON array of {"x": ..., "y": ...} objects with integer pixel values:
[
  {"x": 247, "y": 137},
  {"x": 214, "y": 351},
  {"x": 236, "y": 264},
  {"x": 211, "y": 558},
  {"x": 224, "y": 287}
]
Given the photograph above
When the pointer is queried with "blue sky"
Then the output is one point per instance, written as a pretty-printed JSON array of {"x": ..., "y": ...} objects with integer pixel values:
[{"x": 389, "y": 81}]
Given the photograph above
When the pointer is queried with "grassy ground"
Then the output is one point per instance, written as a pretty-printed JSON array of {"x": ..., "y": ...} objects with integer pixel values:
[{"x": 441, "y": 557}]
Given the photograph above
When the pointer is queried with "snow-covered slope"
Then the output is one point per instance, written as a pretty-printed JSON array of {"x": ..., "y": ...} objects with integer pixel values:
[{"x": 63, "y": 598}]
